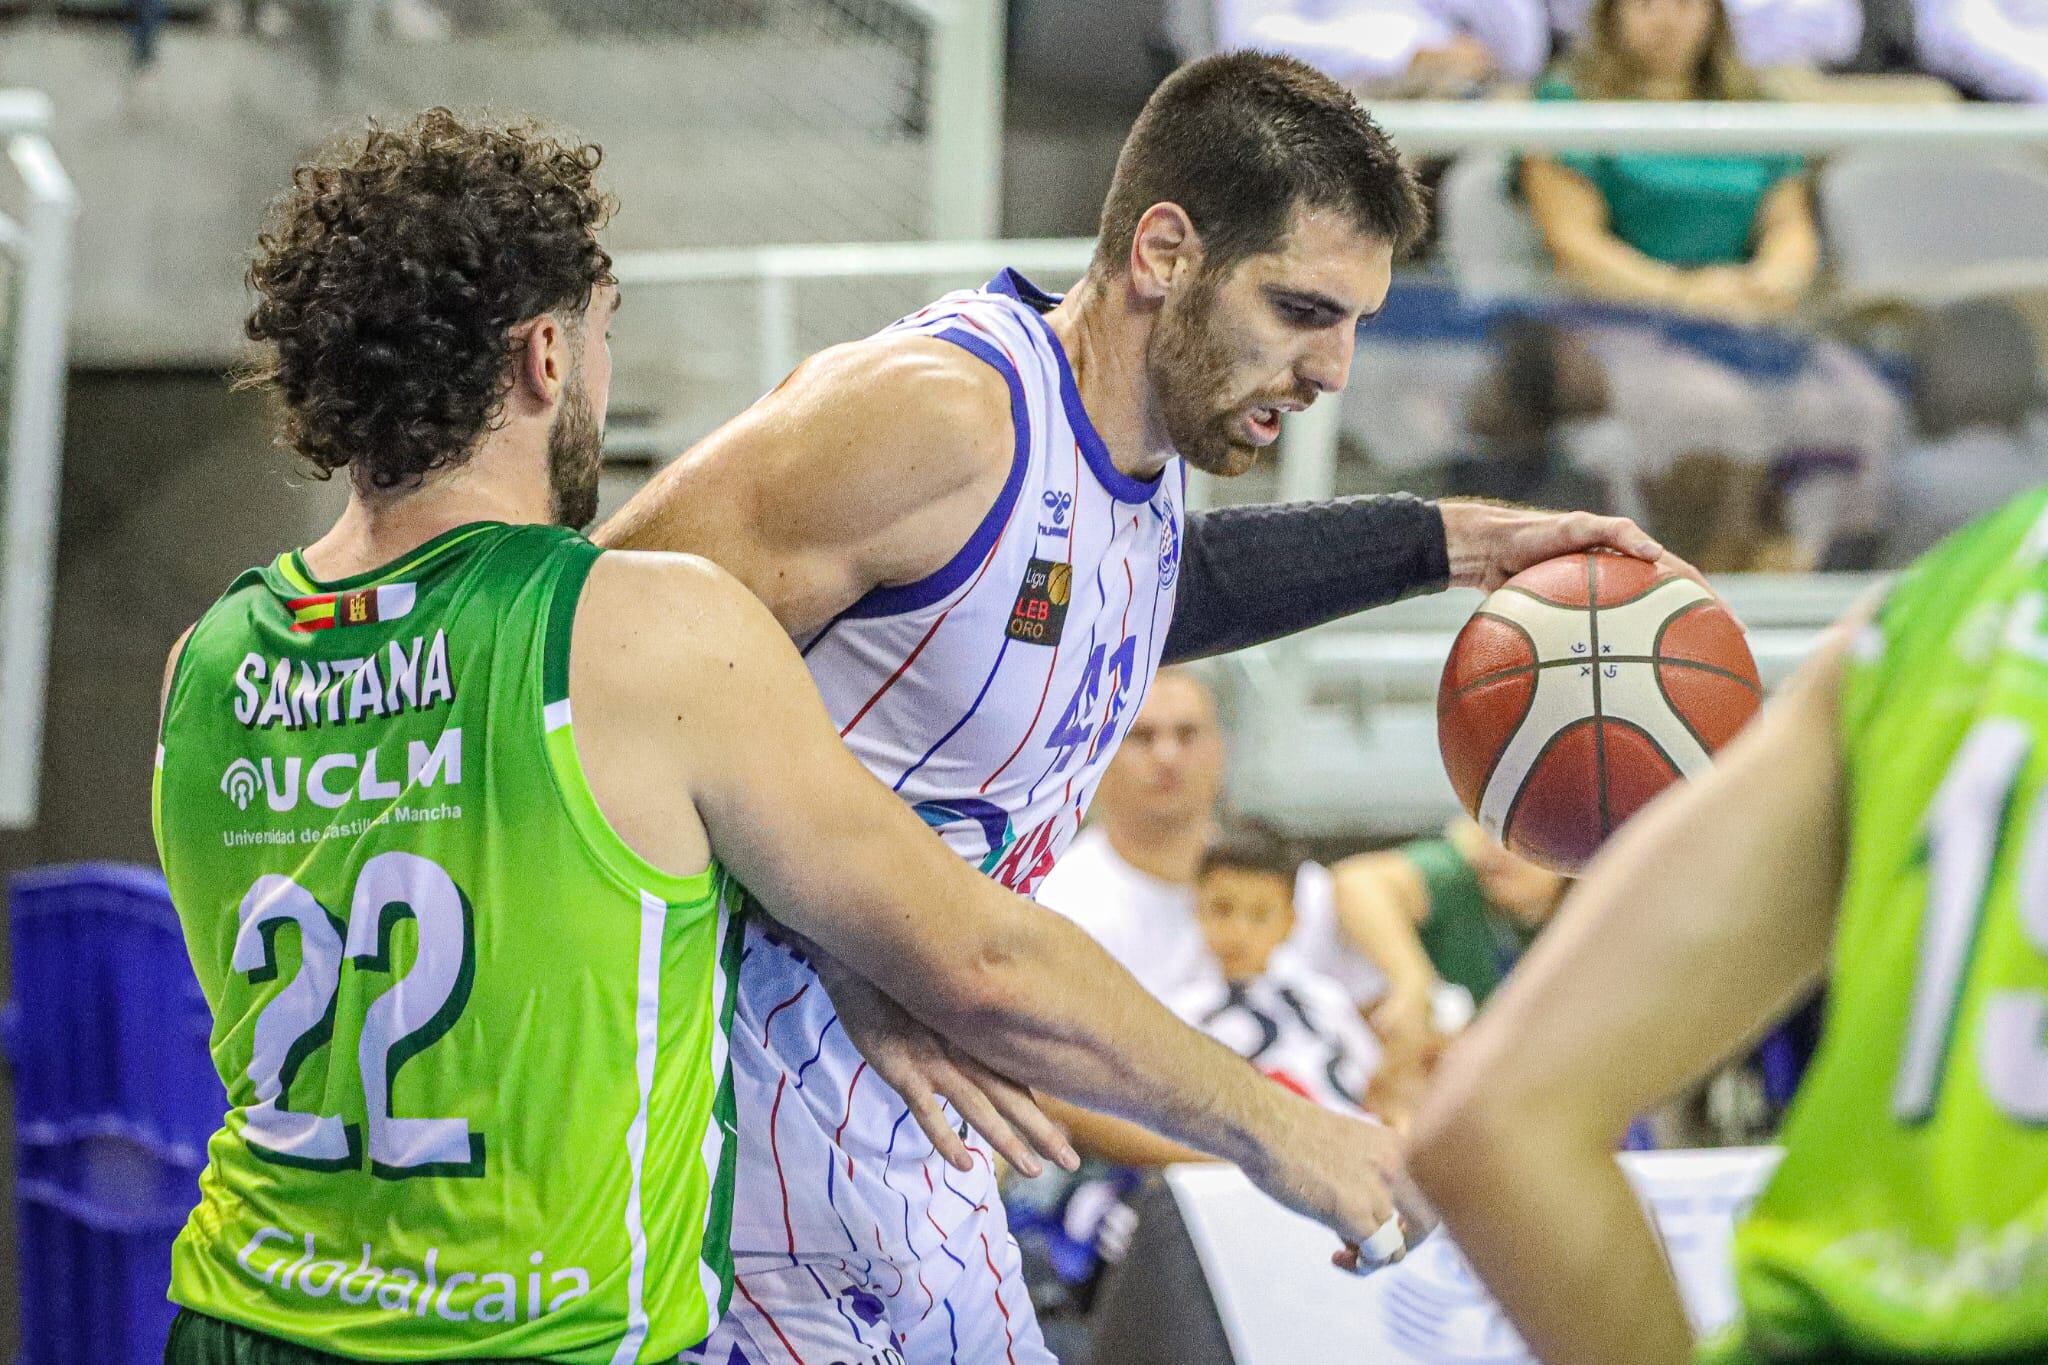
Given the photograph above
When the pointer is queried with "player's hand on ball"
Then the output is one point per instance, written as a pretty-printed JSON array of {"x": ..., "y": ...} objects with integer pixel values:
[
  {"x": 1341, "y": 1172},
  {"x": 1489, "y": 544},
  {"x": 923, "y": 1068}
]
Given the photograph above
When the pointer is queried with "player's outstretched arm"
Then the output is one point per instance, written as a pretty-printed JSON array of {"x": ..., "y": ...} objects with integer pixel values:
[
  {"x": 1257, "y": 573},
  {"x": 870, "y": 465},
  {"x": 678, "y": 669},
  {"x": 1710, "y": 913}
]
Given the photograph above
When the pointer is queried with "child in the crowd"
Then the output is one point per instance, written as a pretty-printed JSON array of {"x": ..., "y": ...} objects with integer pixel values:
[{"x": 1295, "y": 1024}]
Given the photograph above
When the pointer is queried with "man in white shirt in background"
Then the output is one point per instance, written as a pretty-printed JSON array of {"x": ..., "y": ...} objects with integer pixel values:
[{"x": 1129, "y": 878}]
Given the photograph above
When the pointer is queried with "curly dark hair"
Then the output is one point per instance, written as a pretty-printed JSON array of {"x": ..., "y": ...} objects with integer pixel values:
[{"x": 389, "y": 276}]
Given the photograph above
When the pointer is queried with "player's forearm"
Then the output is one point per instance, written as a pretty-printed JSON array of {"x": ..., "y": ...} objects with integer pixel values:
[
  {"x": 1253, "y": 574},
  {"x": 1706, "y": 915},
  {"x": 1552, "y": 1226},
  {"x": 1115, "y": 1140},
  {"x": 1040, "y": 1001},
  {"x": 1023, "y": 990}
]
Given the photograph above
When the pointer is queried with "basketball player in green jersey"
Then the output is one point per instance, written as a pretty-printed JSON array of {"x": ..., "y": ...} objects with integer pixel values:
[
  {"x": 1883, "y": 823},
  {"x": 451, "y": 805}
]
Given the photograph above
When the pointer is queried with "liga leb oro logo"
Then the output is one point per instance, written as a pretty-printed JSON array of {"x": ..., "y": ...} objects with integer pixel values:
[{"x": 1041, "y": 610}]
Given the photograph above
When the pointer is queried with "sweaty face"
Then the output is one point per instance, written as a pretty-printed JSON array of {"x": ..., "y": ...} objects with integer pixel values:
[
  {"x": 1235, "y": 348},
  {"x": 1244, "y": 915}
]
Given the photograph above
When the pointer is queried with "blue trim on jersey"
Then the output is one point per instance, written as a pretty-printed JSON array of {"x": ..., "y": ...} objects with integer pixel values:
[
  {"x": 1120, "y": 485},
  {"x": 936, "y": 586}
]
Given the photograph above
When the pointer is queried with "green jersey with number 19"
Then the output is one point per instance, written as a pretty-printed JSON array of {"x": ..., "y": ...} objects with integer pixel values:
[
  {"x": 1909, "y": 1219},
  {"x": 474, "y": 1047}
]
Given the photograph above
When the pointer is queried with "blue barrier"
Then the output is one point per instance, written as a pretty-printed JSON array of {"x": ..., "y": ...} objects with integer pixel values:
[{"x": 115, "y": 1096}]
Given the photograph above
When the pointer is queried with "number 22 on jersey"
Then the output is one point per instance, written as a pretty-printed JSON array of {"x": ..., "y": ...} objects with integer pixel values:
[{"x": 409, "y": 1017}]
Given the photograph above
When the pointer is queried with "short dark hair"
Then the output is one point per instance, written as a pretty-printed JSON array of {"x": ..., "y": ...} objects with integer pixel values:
[
  {"x": 388, "y": 277},
  {"x": 1251, "y": 846},
  {"x": 1240, "y": 140}
]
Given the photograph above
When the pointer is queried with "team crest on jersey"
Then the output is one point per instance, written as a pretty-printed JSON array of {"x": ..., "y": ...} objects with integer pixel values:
[
  {"x": 1041, "y": 610},
  {"x": 1169, "y": 549}
]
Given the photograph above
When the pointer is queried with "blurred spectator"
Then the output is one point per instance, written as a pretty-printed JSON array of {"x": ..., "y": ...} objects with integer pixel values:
[
  {"x": 1730, "y": 238},
  {"x": 1218, "y": 939},
  {"x": 1725, "y": 517},
  {"x": 1541, "y": 378},
  {"x": 1996, "y": 49},
  {"x": 1766, "y": 32},
  {"x": 1294, "y": 1024},
  {"x": 1297, "y": 1026},
  {"x": 1457, "y": 910},
  {"x": 1980, "y": 429},
  {"x": 1397, "y": 47},
  {"x": 1129, "y": 879}
]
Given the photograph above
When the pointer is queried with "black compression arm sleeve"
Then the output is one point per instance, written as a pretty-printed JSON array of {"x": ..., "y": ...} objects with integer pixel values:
[{"x": 1252, "y": 574}]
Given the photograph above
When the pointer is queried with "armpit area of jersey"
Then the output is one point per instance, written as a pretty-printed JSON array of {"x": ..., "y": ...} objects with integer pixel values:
[{"x": 1253, "y": 574}]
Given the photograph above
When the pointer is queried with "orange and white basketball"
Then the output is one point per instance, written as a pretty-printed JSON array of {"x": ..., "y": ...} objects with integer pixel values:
[{"x": 1581, "y": 689}]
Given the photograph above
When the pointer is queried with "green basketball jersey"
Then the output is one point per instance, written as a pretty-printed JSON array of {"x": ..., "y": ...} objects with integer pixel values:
[
  {"x": 1910, "y": 1216},
  {"x": 474, "y": 1047}
]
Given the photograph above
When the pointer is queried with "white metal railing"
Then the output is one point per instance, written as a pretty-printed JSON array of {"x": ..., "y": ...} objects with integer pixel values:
[
  {"x": 40, "y": 248},
  {"x": 1434, "y": 126},
  {"x": 1419, "y": 126}
]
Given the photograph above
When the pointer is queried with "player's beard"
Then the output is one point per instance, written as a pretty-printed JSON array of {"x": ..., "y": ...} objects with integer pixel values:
[
  {"x": 1189, "y": 364},
  {"x": 575, "y": 456}
]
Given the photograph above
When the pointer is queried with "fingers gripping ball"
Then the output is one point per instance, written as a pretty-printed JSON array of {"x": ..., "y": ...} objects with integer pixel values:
[{"x": 1581, "y": 689}]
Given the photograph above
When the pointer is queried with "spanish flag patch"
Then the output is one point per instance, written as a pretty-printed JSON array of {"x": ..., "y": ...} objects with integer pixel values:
[{"x": 387, "y": 602}]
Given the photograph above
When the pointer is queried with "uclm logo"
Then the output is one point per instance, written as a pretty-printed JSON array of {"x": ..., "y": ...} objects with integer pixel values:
[
  {"x": 241, "y": 782},
  {"x": 332, "y": 781}
]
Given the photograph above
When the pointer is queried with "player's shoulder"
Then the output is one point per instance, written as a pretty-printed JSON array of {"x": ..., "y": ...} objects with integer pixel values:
[
  {"x": 646, "y": 610},
  {"x": 905, "y": 392}
]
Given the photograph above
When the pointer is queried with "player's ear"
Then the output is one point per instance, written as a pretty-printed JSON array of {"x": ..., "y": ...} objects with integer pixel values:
[
  {"x": 540, "y": 359},
  {"x": 1166, "y": 251}
]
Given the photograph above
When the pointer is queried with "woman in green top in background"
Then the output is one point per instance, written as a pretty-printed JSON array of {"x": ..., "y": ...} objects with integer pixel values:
[
  {"x": 1731, "y": 236},
  {"x": 1727, "y": 238}
]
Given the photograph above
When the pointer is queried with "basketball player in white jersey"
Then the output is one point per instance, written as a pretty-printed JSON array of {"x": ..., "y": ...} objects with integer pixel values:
[{"x": 974, "y": 525}]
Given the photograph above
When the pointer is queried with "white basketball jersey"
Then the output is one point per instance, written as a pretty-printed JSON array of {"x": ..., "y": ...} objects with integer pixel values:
[{"x": 990, "y": 696}]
